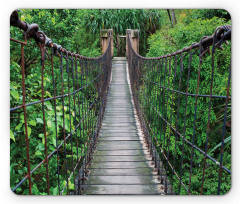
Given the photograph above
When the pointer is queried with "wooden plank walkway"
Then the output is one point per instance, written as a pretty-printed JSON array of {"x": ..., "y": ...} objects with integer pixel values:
[{"x": 121, "y": 163}]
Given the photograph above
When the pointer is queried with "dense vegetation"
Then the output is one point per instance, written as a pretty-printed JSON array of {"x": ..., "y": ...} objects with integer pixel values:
[
  {"x": 146, "y": 20},
  {"x": 191, "y": 27},
  {"x": 78, "y": 31},
  {"x": 57, "y": 30}
]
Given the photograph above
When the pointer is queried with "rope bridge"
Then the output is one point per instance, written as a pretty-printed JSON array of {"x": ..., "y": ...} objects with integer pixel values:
[{"x": 75, "y": 110}]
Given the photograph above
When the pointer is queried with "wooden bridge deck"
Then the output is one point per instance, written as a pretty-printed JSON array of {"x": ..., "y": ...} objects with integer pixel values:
[{"x": 121, "y": 163}]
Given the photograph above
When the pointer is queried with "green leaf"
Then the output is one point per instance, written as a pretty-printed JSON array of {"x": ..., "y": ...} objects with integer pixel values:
[
  {"x": 32, "y": 122},
  {"x": 54, "y": 141},
  {"x": 41, "y": 135},
  {"x": 47, "y": 79},
  {"x": 14, "y": 94},
  {"x": 12, "y": 135},
  {"x": 22, "y": 117},
  {"x": 29, "y": 130},
  {"x": 39, "y": 120},
  {"x": 38, "y": 153},
  {"x": 18, "y": 127},
  {"x": 49, "y": 123},
  {"x": 48, "y": 104},
  {"x": 226, "y": 141},
  {"x": 43, "y": 140},
  {"x": 22, "y": 18},
  {"x": 48, "y": 94},
  {"x": 41, "y": 147},
  {"x": 20, "y": 172},
  {"x": 15, "y": 66},
  {"x": 71, "y": 185},
  {"x": 55, "y": 191}
]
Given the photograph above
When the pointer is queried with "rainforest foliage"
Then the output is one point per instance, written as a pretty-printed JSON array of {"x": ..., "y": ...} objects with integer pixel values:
[
  {"x": 192, "y": 25},
  {"x": 79, "y": 31}
]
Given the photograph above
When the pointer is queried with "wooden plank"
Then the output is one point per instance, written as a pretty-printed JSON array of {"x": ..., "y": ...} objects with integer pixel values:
[
  {"x": 121, "y": 162},
  {"x": 122, "y": 190}
]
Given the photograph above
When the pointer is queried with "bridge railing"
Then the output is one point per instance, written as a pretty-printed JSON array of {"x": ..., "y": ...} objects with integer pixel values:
[
  {"x": 60, "y": 109},
  {"x": 184, "y": 113}
]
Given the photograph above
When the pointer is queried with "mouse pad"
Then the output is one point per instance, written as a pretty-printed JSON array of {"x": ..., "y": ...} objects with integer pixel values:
[{"x": 120, "y": 102}]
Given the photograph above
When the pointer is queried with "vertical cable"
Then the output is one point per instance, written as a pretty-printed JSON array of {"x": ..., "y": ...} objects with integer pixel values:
[
  {"x": 25, "y": 117},
  {"x": 55, "y": 110},
  {"x": 69, "y": 106},
  {"x": 224, "y": 131},
  {"x": 43, "y": 110},
  {"x": 201, "y": 52},
  {"x": 64, "y": 131}
]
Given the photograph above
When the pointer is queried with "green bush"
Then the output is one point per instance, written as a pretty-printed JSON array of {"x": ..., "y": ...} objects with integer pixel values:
[{"x": 191, "y": 27}]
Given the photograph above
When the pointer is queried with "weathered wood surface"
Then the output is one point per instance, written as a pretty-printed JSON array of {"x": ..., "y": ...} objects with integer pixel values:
[{"x": 121, "y": 163}]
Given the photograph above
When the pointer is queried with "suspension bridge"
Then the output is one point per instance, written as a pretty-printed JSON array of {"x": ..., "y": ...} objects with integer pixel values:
[{"x": 117, "y": 119}]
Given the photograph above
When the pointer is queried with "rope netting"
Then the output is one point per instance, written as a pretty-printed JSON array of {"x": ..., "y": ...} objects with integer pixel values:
[
  {"x": 184, "y": 111},
  {"x": 65, "y": 115}
]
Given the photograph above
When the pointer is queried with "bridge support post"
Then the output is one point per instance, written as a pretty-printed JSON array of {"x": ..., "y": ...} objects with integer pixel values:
[
  {"x": 104, "y": 34},
  {"x": 134, "y": 37}
]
